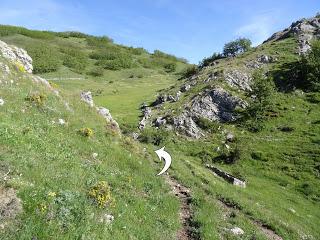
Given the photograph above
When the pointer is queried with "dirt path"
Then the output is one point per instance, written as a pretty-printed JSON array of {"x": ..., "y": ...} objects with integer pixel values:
[
  {"x": 269, "y": 233},
  {"x": 185, "y": 213}
]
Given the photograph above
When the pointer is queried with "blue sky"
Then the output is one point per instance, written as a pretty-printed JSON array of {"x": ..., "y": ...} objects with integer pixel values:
[{"x": 187, "y": 28}]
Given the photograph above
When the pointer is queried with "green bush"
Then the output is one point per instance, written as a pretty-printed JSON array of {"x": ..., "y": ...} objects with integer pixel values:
[
  {"x": 207, "y": 124},
  {"x": 236, "y": 47},
  {"x": 99, "y": 42},
  {"x": 96, "y": 72},
  {"x": 207, "y": 61},
  {"x": 170, "y": 67},
  {"x": 121, "y": 62},
  {"x": 263, "y": 92},
  {"x": 103, "y": 55},
  {"x": 189, "y": 71},
  {"x": 154, "y": 136},
  {"x": 310, "y": 67},
  {"x": 45, "y": 58},
  {"x": 74, "y": 59}
]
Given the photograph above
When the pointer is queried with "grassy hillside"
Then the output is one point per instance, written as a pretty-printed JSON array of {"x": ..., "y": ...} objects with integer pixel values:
[
  {"x": 76, "y": 62},
  {"x": 280, "y": 163},
  {"x": 56, "y": 175},
  {"x": 54, "y": 171}
]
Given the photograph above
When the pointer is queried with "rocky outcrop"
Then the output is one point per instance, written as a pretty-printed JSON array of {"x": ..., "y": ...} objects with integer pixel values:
[
  {"x": 16, "y": 55},
  {"x": 216, "y": 105},
  {"x": 238, "y": 79},
  {"x": 304, "y": 30},
  {"x": 185, "y": 124},
  {"x": 86, "y": 97}
]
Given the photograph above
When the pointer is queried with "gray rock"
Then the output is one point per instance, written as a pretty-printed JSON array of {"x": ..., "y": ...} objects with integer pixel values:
[
  {"x": 86, "y": 96},
  {"x": 185, "y": 88},
  {"x": 160, "y": 99},
  {"x": 185, "y": 124},
  {"x": 105, "y": 113},
  {"x": 146, "y": 112},
  {"x": 236, "y": 231},
  {"x": 304, "y": 30},
  {"x": 16, "y": 55},
  {"x": 160, "y": 121},
  {"x": 106, "y": 218},
  {"x": 1, "y": 102},
  {"x": 238, "y": 79},
  {"x": 216, "y": 105},
  {"x": 142, "y": 123},
  {"x": 230, "y": 137}
]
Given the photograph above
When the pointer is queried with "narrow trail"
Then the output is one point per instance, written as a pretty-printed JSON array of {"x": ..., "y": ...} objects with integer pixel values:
[
  {"x": 185, "y": 213},
  {"x": 269, "y": 233}
]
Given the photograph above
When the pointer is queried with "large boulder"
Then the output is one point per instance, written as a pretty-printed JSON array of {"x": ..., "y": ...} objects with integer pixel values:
[
  {"x": 16, "y": 55},
  {"x": 184, "y": 123},
  {"x": 238, "y": 79},
  {"x": 216, "y": 105}
]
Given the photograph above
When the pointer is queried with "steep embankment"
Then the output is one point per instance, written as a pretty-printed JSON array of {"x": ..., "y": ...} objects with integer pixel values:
[{"x": 65, "y": 172}]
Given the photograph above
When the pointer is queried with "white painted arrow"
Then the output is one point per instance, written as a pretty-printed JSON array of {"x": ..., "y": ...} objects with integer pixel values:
[{"x": 167, "y": 158}]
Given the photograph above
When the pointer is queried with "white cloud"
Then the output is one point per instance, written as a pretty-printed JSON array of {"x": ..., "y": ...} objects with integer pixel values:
[{"x": 258, "y": 29}]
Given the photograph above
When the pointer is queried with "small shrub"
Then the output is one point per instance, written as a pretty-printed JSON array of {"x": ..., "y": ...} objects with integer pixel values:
[
  {"x": 259, "y": 156},
  {"x": 230, "y": 156},
  {"x": 100, "y": 193},
  {"x": 190, "y": 71},
  {"x": 207, "y": 61},
  {"x": 37, "y": 98},
  {"x": 207, "y": 124},
  {"x": 20, "y": 67},
  {"x": 86, "y": 132},
  {"x": 170, "y": 67},
  {"x": 154, "y": 136},
  {"x": 96, "y": 72}
]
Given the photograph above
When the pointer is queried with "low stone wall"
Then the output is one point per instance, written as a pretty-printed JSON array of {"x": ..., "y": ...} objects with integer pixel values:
[{"x": 228, "y": 177}]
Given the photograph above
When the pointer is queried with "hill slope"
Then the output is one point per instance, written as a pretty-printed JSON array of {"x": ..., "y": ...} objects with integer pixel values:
[{"x": 58, "y": 155}]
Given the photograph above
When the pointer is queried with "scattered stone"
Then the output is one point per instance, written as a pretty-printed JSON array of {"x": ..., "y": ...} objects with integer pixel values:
[
  {"x": 228, "y": 177},
  {"x": 86, "y": 96},
  {"x": 1, "y": 102},
  {"x": 237, "y": 231},
  {"x": 230, "y": 137},
  {"x": 5, "y": 69},
  {"x": 106, "y": 218},
  {"x": 135, "y": 135},
  {"x": 105, "y": 113},
  {"x": 185, "y": 88},
  {"x": 94, "y": 155},
  {"x": 177, "y": 98},
  {"x": 61, "y": 121},
  {"x": 160, "y": 121}
]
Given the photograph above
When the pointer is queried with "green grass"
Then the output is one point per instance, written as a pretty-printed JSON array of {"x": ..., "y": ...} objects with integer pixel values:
[
  {"x": 44, "y": 157},
  {"x": 281, "y": 168}
]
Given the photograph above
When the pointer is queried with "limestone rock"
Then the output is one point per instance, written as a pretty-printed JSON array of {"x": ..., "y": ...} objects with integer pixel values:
[
  {"x": 160, "y": 121},
  {"x": 216, "y": 105},
  {"x": 185, "y": 124},
  {"x": 236, "y": 231},
  {"x": 185, "y": 88},
  {"x": 304, "y": 30},
  {"x": 86, "y": 96},
  {"x": 16, "y": 55},
  {"x": 238, "y": 79}
]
